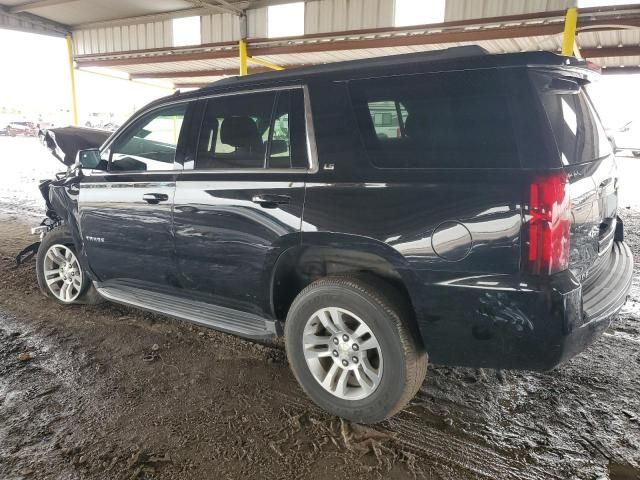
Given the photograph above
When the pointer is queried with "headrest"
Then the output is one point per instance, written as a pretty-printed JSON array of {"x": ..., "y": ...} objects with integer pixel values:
[
  {"x": 240, "y": 132},
  {"x": 412, "y": 127}
]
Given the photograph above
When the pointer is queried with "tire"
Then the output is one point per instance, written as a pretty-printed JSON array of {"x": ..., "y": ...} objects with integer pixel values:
[
  {"x": 58, "y": 241},
  {"x": 398, "y": 363}
]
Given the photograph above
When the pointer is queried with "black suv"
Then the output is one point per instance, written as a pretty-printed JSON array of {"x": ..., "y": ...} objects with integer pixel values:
[{"x": 453, "y": 204}]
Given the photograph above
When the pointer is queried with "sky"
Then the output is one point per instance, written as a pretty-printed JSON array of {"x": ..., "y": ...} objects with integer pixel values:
[{"x": 35, "y": 79}]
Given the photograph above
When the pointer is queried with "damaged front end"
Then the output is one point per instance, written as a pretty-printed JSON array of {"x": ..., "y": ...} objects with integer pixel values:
[
  {"x": 65, "y": 143},
  {"x": 51, "y": 220},
  {"x": 60, "y": 193}
]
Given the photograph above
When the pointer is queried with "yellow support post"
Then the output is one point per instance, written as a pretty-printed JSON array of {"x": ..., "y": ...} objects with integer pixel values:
[
  {"x": 242, "y": 48},
  {"x": 265, "y": 63},
  {"x": 74, "y": 102},
  {"x": 569, "y": 36}
]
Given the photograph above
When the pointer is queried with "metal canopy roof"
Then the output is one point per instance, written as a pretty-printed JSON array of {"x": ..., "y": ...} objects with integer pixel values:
[
  {"x": 136, "y": 37},
  {"x": 74, "y": 13}
]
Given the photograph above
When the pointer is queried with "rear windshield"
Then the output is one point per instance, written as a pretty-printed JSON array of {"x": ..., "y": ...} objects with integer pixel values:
[
  {"x": 443, "y": 120},
  {"x": 578, "y": 133}
]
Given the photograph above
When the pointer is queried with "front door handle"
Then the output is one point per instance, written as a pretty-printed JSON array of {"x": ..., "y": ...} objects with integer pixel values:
[
  {"x": 271, "y": 201},
  {"x": 155, "y": 198}
]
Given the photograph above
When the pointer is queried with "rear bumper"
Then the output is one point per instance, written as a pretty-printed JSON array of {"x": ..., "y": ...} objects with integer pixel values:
[{"x": 523, "y": 323}]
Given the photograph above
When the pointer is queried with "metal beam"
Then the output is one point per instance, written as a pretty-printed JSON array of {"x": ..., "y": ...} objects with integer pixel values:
[
  {"x": 199, "y": 73},
  {"x": 230, "y": 7},
  {"x": 48, "y": 27},
  {"x": 305, "y": 45},
  {"x": 205, "y": 73},
  {"x": 275, "y": 48},
  {"x": 219, "y": 8},
  {"x": 25, "y": 7},
  {"x": 191, "y": 85},
  {"x": 620, "y": 70}
]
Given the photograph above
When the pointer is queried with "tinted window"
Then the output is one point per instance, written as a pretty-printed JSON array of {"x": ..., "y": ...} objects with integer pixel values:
[
  {"x": 288, "y": 147},
  {"x": 150, "y": 144},
  {"x": 576, "y": 127},
  {"x": 388, "y": 118},
  {"x": 255, "y": 131},
  {"x": 445, "y": 120}
]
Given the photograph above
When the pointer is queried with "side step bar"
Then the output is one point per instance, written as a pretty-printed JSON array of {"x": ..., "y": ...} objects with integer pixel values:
[{"x": 219, "y": 318}]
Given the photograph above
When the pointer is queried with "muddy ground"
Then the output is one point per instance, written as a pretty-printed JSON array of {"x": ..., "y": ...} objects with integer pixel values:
[{"x": 109, "y": 392}]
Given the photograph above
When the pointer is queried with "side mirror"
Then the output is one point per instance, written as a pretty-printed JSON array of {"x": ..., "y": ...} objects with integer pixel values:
[{"x": 89, "y": 159}]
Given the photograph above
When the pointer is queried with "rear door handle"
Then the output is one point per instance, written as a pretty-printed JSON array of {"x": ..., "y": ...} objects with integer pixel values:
[
  {"x": 271, "y": 201},
  {"x": 155, "y": 198}
]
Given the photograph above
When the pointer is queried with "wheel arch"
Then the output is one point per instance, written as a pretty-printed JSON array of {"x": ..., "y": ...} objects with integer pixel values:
[{"x": 322, "y": 255}]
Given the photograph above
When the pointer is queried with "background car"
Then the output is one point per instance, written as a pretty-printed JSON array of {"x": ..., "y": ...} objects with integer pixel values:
[{"x": 25, "y": 129}]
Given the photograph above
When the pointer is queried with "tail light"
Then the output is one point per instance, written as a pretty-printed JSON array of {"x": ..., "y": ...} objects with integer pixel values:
[{"x": 549, "y": 224}]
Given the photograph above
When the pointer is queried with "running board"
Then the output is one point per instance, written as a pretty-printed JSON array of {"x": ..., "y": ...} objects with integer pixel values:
[{"x": 219, "y": 318}]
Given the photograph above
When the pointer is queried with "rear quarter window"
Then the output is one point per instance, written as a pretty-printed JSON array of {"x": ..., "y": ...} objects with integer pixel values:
[
  {"x": 577, "y": 130},
  {"x": 442, "y": 120}
]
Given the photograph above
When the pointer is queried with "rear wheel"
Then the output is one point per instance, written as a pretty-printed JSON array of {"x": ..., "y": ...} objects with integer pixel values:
[
  {"x": 60, "y": 274},
  {"x": 351, "y": 349}
]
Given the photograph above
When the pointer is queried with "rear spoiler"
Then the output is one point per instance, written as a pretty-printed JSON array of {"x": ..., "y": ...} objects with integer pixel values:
[{"x": 64, "y": 143}]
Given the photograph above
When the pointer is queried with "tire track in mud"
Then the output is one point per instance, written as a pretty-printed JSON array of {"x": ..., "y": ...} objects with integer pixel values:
[{"x": 448, "y": 453}]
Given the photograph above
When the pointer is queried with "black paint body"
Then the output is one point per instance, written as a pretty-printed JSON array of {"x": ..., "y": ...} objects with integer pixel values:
[{"x": 474, "y": 303}]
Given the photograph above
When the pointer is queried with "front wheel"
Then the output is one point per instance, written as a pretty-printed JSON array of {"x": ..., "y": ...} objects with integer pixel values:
[
  {"x": 351, "y": 349},
  {"x": 60, "y": 274}
]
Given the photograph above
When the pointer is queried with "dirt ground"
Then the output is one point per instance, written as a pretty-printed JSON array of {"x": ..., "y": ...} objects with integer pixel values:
[{"x": 109, "y": 392}]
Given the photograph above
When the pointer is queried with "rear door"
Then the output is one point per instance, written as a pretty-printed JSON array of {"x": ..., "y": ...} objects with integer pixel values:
[
  {"x": 126, "y": 213},
  {"x": 587, "y": 158},
  {"x": 241, "y": 206}
]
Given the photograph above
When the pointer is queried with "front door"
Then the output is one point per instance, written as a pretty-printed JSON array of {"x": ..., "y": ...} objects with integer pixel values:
[
  {"x": 241, "y": 206},
  {"x": 126, "y": 217}
]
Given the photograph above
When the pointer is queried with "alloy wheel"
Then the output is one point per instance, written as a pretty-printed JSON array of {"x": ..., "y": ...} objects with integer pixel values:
[
  {"x": 342, "y": 353},
  {"x": 62, "y": 273}
]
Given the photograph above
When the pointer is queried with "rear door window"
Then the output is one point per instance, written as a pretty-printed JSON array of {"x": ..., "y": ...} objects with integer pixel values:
[
  {"x": 444, "y": 120},
  {"x": 254, "y": 131}
]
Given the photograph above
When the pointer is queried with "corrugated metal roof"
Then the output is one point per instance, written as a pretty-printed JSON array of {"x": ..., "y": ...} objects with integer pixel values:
[
  {"x": 323, "y": 16},
  {"x": 90, "y": 11},
  {"x": 334, "y": 23},
  {"x": 124, "y": 38},
  {"x": 465, "y": 9},
  {"x": 221, "y": 27},
  {"x": 612, "y": 38},
  {"x": 549, "y": 43}
]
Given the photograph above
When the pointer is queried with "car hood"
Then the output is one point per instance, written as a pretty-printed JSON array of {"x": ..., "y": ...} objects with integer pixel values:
[{"x": 64, "y": 143}]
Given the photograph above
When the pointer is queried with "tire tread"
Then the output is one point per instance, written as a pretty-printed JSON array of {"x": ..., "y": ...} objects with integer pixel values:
[{"x": 384, "y": 296}]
